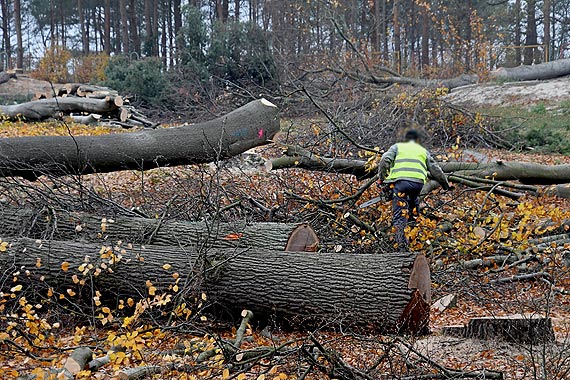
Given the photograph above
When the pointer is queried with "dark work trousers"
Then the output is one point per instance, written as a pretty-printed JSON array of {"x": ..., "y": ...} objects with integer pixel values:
[{"x": 405, "y": 206}]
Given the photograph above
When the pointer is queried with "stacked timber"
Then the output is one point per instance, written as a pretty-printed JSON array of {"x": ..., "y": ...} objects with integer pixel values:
[{"x": 83, "y": 103}]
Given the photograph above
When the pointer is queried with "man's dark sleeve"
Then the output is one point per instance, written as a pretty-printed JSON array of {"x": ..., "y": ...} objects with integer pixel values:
[
  {"x": 436, "y": 172},
  {"x": 387, "y": 161}
]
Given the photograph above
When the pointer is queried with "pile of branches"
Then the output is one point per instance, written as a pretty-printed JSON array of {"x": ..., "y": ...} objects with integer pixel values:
[{"x": 311, "y": 355}]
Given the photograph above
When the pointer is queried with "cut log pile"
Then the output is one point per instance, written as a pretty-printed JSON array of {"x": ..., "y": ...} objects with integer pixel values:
[{"x": 83, "y": 103}]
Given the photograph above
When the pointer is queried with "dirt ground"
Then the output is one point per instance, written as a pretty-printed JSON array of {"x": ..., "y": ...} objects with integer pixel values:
[{"x": 513, "y": 93}]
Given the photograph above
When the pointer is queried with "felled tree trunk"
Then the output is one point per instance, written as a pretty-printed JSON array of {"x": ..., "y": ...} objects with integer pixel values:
[
  {"x": 542, "y": 71},
  {"x": 47, "y": 108},
  {"x": 244, "y": 128},
  {"x": 524, "y": 172},
  {"x": 83, "y": 227},
  {"x": 386, "y": 291}
]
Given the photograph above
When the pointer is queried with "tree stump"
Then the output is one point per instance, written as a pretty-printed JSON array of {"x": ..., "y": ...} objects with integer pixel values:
[{"x": 517, "y": 328}]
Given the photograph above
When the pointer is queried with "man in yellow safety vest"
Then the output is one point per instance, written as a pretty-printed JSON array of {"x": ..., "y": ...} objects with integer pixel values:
[{"x": 405, "y": 167}]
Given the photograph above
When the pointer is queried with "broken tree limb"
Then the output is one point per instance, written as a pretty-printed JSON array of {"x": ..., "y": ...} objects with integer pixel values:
[
  {"x": 388, "y": 291},
  {"x": 242, "y": 129},
  {"x": 63, "y": 225},
  {"x": 47, "y": 108}
]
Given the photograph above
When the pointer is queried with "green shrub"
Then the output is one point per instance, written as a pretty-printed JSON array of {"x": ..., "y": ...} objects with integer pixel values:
[
  {"x": 144, "y": 79},
  {"x": 538, "y": 109}
]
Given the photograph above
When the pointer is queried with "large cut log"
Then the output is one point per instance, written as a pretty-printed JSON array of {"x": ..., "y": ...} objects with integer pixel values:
[
  {"x": 47, "y": 108},
  {"x": 385, "y": 291},
  {"x": 61, "y": 225},
  {"x": 244, "y": 128}
]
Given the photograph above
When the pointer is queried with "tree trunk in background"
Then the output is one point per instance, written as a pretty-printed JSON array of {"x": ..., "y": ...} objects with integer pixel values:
[
  {"x": 134, "y": 27},
  {"x": 546, "y": 14},
  {"x": 237, "y": 10},
  {"x": 389, "y": 291},
  {"x": 518, "y": 33},
  {"x": 425, "y": 35},
  {"x": 6, "y": 32},
  {"x": 375, "y": 35},
  {"x": 468, "y": 35},
  {"x": 177, "y": 25},
  {"x": 242, "y": 129},
  {"x": 84, "y": 38},
  {"x": 124, "y": 26},
  {"x": 148, "y": 26},
  {"x": 107, "y": 32},
  {"x": 155, "y": 28},
  {"x": 397, "y": 48},
  {"x": 18, "y": 26},
  {"x": 531, "y": 34},
  {"x": 62, "y": 24},
  {"x": 163, "y": 36}
]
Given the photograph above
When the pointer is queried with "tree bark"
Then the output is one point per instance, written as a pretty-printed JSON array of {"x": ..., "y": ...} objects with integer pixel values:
[
  {"x": 391, "y": 291},
  {"x": 518, "y": 32},
  {"x": 425, "y": 35},
  {"x": 124, "y": 26},
  {"x": 83, "y": 29},
  {"x": 524, "y": 172},
  {"x": 61, "y": 225},
  {"x": 6, "y": 33},
  {"x": 397, "y": 59},
  {"x": 46, "y": 108},
  {"x": 242, "y": 129},
  {"x": 531, "y": 34},
  {"x": 546, "y": 41},
  {"x": 542, "y": 71},
  {"x": 107, "y": 33},
  {"x": 19, "y": 42}
]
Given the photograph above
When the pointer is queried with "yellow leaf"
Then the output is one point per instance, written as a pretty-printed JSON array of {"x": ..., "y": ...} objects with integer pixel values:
[
  {"x": 166, "y": 266},
  {"x": 261, "y": 377},
  {"x": 106, "y": 310},
  {"x": 38, "y": 262},
  {"x": 16, "y": 288},
  {"x": 152, "y": 290},
  {"x": 75, "y": 279},
  {"x": 65, "y": 266},
  {"x": 226, "y": 373},
  {"x": 204, "y": 296},
  {"x": 70, "y": 292},
  {"x": 241, "y": 376}
]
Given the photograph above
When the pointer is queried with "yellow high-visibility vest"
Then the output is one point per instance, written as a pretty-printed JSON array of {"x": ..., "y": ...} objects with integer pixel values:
[{"x": 410, "y": 162}]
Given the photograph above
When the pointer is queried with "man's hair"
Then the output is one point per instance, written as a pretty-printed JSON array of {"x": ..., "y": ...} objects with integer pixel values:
[{"x": 412, "y": 134}]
